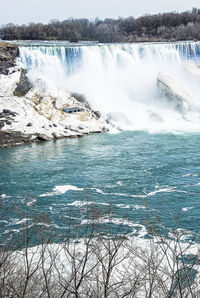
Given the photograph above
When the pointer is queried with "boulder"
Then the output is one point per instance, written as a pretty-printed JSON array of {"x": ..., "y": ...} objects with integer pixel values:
[
  {"x": 97, "y": 114},
  {"x": 43, "y": 137},
  {"x": 10, "y": 138},
  {"x": 8, "y": 55},
  {"x": 174, "y": 93},
  {"x": 24, "y": 85}
]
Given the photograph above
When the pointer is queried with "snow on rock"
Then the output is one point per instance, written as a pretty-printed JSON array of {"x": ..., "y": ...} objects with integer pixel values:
[
  {"x": 8, "y": 83},
  {"x": 40, "y": 113},
  {"x": 173, "y": 92}
]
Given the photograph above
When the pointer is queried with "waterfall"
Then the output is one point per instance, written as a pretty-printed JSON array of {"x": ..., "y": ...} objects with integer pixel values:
[{"x": 120, "y": 80}]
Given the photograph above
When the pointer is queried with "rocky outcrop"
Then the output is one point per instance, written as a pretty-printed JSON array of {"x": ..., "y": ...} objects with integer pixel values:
[
  {"x": 97, "y": 114},
  {"x": 24, "y": 84},
  {"x": 174, "y": 93},
  {"x": 31, "y": 112},
  {"x": 10, "y": 138},
  {"x": 40, "y": 114},
  {"x": 8, "y": 55}
]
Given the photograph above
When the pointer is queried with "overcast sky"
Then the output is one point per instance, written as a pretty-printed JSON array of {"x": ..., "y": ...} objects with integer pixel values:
[{"x": 25, "y": 11}]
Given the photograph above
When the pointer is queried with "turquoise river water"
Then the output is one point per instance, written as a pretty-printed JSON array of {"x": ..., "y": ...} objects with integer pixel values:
[{"x": 115, "y": 173}]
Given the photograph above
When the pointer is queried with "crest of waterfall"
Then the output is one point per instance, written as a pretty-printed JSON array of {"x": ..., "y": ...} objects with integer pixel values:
[{"x": 120, "y": 80}]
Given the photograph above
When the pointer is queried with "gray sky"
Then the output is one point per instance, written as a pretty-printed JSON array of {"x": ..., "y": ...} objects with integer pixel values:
[{"x": 25, "y": 11}]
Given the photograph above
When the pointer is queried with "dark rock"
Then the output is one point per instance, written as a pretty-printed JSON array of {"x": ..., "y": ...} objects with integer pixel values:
[
  {"x": 24, "y": 84},
  {"x": 81, "y": 98},
  {"x": 73, "y": 109},
  {"x": 29, "y": 124},
  {"x": 106, "y": 129},
  {"x": 8, "y": 55},
  {"x": 2, "y": 124},
  {"x": 54, "y": 125},
  {"x": 8, "y": 122},
  {"x": 97, "y": 114},
  {"x": 6, "y": 117},
  {"x": 6, "y": 111},
  {"x": 43, "y": 137},
  {"x": 8, "y": 139},
  {"x": 74, "y": 39},
  {"x": 9, "y": 112}
]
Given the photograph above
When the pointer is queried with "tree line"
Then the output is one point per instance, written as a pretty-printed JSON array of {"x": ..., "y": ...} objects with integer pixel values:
[{"x": 171, "y": 26}]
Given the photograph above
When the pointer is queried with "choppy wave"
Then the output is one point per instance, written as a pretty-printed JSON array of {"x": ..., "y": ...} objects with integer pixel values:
[
  {"x": 86, "y": 203},
  {"x": 185, "y": 209},
  {"x": 59, "y": 190},
  {"x": 62, "y": 189},
  {"x": 4, "y": 196},
  {"x": 152, "y": 193},
  {"x": 137, "y": 228}
]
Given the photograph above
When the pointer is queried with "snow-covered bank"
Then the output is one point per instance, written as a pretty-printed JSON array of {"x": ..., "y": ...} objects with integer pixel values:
[
  {"x": 106, "y": 267},
  {"x": 30, "y": 111}
]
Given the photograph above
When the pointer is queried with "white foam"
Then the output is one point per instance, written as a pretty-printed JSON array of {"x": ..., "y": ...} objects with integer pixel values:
[
  {"x": 185, "y": 209},
  {"x": 98, "y": 190},
  {"x": 137, "y": 228},
  {"x": 86, "y": 203},
  {"x": 4, "y": 196},
  {"x": 3, "y": 221},
  {"x": 188, "y": 175},
  {"x": 30, "y": 203},
  {"x": 19, "y": 221},
  {"x": 137, "y": 207},
  {"x": 62, "y": 189},
  {"x": 119, "y": 183},
  {"x": 124, "y": 206},
  {"x": 80, "y": 203},
  {"x": 152, "y": 193}
]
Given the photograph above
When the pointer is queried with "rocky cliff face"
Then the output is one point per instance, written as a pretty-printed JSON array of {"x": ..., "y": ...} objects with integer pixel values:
[{"x": 8, "y": 55}]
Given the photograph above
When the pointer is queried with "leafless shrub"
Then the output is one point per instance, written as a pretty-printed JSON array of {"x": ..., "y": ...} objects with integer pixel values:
[{"x": 101, "y": 263}]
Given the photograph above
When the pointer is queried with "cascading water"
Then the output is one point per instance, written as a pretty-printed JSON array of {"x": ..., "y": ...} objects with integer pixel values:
[{"x": 120, "y": 80}]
